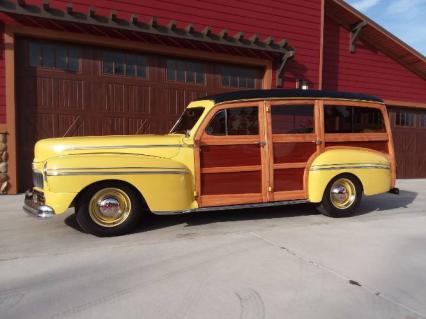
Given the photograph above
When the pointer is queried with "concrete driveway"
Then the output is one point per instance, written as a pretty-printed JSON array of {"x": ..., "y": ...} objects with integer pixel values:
[{"x": 284, "y": 262}]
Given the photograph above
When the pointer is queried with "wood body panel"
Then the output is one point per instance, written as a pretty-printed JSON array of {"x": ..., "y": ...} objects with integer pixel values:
[
  {"x": 293, "y": 152},
  {"x": 229, "y": 155},
  {"x": 374, "y": 145},
  {"x": 288, "y": 179},
  {"x": 232, "y": 183}
]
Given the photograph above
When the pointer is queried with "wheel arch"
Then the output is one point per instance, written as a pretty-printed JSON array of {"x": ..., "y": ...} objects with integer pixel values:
[
  {"x": 77, "y": 198},
  {"x": 369, "y": 167}
]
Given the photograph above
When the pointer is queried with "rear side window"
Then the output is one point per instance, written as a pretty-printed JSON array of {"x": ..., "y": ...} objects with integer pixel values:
[
  {"x": 235, "y": 121},
  {"x": 292, "y": 119},
  {"x": 349, "y": 119}
]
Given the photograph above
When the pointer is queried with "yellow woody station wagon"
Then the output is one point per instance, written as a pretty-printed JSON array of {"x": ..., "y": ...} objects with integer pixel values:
[{"x": 233, "y": 150}]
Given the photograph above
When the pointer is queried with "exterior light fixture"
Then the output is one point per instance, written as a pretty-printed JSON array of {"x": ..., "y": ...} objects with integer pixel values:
[{"x": 302, "y": 84}]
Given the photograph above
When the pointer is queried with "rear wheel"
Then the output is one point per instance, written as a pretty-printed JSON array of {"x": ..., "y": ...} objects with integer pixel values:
[
  {"x": 109, "y": 209},
  {"x": 341, "y": 197}
]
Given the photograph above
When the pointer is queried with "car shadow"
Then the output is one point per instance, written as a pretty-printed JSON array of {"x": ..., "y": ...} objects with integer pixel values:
[
  {"x": 379, "y": 203},
  {"x": 385, "y": 202}
]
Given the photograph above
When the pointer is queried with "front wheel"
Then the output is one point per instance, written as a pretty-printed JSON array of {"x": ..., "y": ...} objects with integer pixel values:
[
  {"x": 341, "y": 197},
  {"x": 109, "y": 209}
]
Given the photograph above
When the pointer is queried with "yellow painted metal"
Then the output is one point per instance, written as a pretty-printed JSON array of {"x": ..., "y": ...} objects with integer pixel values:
[
  {"x": 368, "y": 166},
  {"x": 160, "y": 167},
  {"x": 116, "y": 218}
]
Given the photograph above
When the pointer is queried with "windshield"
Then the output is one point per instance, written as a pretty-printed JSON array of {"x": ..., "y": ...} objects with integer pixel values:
[{"x": 187, "y": 121}]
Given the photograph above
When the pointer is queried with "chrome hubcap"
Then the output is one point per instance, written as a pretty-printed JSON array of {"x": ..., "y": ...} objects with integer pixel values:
[
  {"x": 109, "y": 207},
  {"x": 342, "y": 193}
]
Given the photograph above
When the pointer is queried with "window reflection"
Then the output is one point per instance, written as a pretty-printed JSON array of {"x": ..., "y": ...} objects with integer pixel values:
[
  {"x": 292, "y": 119},
  {"x": 235, "y": 121},
  {"x": 348, "y": 119}
]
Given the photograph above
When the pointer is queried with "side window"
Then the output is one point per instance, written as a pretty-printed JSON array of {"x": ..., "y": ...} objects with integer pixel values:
[
  {"x": 292, "y": 119},
  {"x": 368, "y": 120},
  {"x": 235, "y": 121},
  {"x": 348, "y": 119}
]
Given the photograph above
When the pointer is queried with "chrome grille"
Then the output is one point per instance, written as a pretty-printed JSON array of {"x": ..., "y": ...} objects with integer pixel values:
[{"x": 38, "y": 179}]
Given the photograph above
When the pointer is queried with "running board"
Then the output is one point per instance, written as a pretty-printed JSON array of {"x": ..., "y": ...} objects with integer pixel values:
[{"x": 233, "y": 207}]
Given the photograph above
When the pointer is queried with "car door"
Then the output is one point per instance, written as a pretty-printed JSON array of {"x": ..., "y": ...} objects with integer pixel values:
[
  {"x": 294, "y": 140},
  {"x": 231, "y": 156}
]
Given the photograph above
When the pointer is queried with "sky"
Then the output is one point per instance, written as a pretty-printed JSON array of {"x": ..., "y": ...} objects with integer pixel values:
[{"x": 406, "y": 19}]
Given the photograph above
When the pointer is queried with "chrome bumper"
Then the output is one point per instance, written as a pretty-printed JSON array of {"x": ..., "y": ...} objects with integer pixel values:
[{"x": 34, "y": 208}]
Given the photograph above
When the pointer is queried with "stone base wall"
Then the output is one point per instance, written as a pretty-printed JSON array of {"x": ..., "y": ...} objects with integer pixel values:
[{"x": 4, "y": 179}]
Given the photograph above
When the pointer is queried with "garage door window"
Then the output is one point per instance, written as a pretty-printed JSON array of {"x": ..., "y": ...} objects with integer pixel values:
[
  {"x": 423, "y": 120},
  {"x": 186, "y": 72},
  {"x": 54, "y": 56},
  {"x": 117, "y": 63},
  {"x": 405, "y": 119},
  {"x": 237, "y": 77}
]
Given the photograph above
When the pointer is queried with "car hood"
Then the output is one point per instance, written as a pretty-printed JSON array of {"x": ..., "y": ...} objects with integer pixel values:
[{"x": 165, "y": 146}]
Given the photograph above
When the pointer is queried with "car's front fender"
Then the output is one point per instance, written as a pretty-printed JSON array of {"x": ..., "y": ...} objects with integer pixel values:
[{"x": 166, "y": 185}]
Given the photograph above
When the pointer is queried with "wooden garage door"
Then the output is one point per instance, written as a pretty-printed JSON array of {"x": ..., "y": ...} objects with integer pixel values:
[
  {"x": 409, "y": 134},
  {"x": 72, "y": 90}
]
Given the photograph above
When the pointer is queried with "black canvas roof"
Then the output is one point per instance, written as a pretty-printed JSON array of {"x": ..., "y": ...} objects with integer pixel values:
[{"x": 284, "y": 93}]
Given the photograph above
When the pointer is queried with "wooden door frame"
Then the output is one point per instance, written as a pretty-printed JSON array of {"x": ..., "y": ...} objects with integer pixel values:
[
  {"x": 13, "y": 31},
  {"x": 221, "y": 200},
  {"x": 317, "y": 135}
]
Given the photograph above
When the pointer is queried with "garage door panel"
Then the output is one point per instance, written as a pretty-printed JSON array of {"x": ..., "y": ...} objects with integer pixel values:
[
  {"x": 409, "y": 141},
  {"x": 55, "y": 102},
  {"x": 68, "y": 94},
  {"x": 421, "y": 143},
  {"x": 138, "y": 99}
]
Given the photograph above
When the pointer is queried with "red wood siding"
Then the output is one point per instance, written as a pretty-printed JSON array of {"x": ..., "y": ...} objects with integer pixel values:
[
  {"x": 368, "y": 70},
  {"x": 297, "y": 21},
  {"x": 2, "y": 79}
]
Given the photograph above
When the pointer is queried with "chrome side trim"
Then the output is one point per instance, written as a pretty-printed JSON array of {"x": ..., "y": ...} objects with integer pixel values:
[
  {"x": 178, "y": 172},
  {"x": 53, "y": 170},
  {"x": 340, "y": 164},
  {"x": 233, "y": 207},
  {"x": 111, "y": 147},
  {"x": 346, "y": 166}
]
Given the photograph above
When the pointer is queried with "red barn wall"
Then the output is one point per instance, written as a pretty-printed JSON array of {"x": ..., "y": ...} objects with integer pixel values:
[
  {"x": 297, "y": 21},
  {"x": 368, "y": 70},
  {"x": 2, "y": 79}
]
